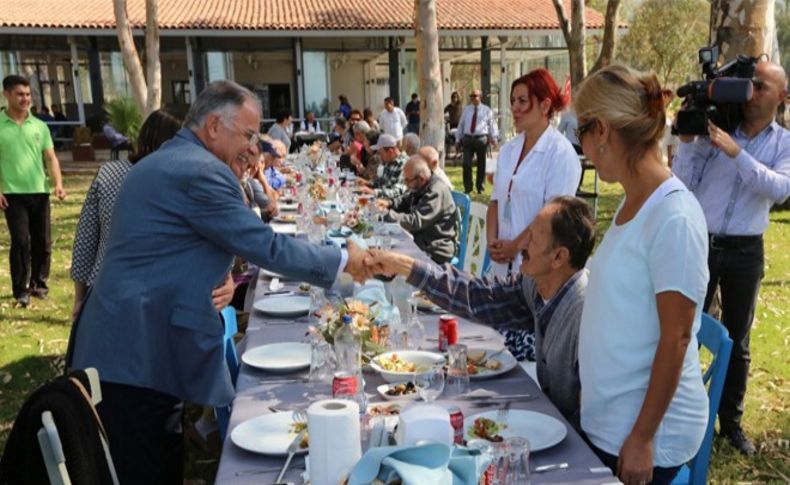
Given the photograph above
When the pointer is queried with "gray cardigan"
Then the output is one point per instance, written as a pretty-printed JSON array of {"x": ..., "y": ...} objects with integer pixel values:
[{"x": 510, "y": 304}]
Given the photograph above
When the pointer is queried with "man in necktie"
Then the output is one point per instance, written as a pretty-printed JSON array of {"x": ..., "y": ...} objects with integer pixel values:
[{"x": 476, "y": 130}]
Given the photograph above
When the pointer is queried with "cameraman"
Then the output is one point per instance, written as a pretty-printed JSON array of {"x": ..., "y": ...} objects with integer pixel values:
[{"x": 736, "y": 178}]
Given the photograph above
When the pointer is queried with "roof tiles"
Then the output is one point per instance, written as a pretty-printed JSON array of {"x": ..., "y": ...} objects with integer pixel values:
[{"x": 288, "y": 14}]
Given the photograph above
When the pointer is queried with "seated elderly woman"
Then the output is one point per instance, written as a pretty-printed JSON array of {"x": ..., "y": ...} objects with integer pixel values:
[
  {"x": 644, "y": 407},
  {"x": 547, "y": 296},
  {"x": 426, "y": 210},
  {"x": 357, "y": 152}
]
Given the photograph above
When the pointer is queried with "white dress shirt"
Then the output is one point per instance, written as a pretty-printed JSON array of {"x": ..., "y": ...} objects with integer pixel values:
[
  {"x": 393, "y": 123},
  {"x": 486, "y": 123},
  {"x": 551, "y": 168}
]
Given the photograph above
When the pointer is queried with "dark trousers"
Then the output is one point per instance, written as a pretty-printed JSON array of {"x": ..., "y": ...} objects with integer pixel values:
[
  {"x": 661, "y": 476},
  {"x": 144, "y": 430},
  {"x": 27, "y": 217},
  {"x": 736, "y": 265},
  {"x": 474, "y": 146}
]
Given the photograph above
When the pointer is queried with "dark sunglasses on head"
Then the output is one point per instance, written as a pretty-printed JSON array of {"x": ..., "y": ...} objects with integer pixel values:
[
  {"x": 584, "y": 128},
  {"x": 758, "y": 84}
]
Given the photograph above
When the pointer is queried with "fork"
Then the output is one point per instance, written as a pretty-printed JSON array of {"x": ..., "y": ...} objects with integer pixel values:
[
  {"x": 299, "y": 416},
  {"x": 502, "y": 411}
]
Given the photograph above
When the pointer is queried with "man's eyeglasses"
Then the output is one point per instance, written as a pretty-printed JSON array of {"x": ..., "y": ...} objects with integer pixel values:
[
  {"x": 584, "y": 128},
  {"x": 474, "y": 95},
  {"x": 253, "y": 136}
]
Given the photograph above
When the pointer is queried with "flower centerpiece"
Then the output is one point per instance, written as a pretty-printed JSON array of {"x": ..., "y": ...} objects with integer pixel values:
[
  {"x": 363, "y": 323},
  {"x": 317, "y": 190},
  {"x": 356, "y": 222}
]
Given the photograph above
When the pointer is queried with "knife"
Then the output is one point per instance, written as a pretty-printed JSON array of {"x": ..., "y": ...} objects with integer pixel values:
[
  {"x": 497, "y": 397},
  {"x": 292, "y": 448},
  {"x": 279, "y": 292}
]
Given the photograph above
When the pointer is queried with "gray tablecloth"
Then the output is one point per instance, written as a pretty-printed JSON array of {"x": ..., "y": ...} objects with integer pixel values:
[{"x": 255, "y": 396}]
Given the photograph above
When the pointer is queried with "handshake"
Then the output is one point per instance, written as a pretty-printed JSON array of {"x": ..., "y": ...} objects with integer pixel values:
[{"x": 363, "y": 265}]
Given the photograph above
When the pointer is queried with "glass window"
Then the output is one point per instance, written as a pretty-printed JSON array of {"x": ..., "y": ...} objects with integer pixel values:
[
  {"x": 218, "y": 64},
  {"x": 316, "y": 79}
]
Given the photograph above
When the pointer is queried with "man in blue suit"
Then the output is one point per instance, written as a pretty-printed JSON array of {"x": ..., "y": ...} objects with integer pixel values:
[{"x": 149, "y": 324}]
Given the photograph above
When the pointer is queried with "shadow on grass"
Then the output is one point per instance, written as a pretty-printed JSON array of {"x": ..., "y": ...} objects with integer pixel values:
[{"x": 23, "y": 376}]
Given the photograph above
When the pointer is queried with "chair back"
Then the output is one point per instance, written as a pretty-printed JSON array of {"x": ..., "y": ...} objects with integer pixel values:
[
  {"x": 477, "y": 259},
  {"x": 713, "y": 336},
  {"x": 232, "y": 360},
  {"x": 51, "y": 445},
  {"x": 462, "y": 204}
]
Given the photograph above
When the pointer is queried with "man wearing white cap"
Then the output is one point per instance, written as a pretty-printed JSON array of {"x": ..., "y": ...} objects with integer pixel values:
[{"x": 390, "y": 183}]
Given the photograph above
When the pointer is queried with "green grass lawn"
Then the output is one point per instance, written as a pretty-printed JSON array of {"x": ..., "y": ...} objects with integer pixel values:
[{"x": 33, "y": 340}]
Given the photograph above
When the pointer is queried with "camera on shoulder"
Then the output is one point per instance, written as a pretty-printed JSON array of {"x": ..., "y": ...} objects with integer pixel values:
[{"x": 717, "y": 98}]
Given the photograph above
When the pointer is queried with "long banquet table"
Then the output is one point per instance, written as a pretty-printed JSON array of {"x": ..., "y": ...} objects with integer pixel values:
[{"x": 254, "y": 397}]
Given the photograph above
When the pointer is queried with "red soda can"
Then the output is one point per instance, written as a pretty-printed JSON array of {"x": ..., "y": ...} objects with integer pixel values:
[
  {"x": 457, "y": 422},
  {"x": 448, "y": 331},
  {"x": 298, "y": 177},
  {"x": 344, "y": 384}
]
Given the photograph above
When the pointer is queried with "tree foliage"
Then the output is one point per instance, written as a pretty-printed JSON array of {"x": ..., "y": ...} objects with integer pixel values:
[
  {"x": 783, "y": 32},
  {"x": 664, "y": 36}
]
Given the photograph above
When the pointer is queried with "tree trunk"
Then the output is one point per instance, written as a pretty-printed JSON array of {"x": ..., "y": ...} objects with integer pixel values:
[
  {"x": 429, "y": 73},
  {"x": 153, "y": 67},
  {"x": 743, "y": 27},
  {"x": 131, "y": 60},
  {"x": 574, "y": 33},
  {"x": 609, "y": 36}
]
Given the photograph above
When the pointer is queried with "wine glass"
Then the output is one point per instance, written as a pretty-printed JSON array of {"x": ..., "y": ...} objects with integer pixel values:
[{"x": 430, "y": 383}]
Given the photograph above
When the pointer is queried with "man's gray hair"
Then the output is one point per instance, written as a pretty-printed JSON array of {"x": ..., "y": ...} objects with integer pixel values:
[
  {"x": 223, "y": 97},
  {"x": 419, "y": 167},
  {"x": 361, "y": 127},
  {"x": 411, "y": 143}
]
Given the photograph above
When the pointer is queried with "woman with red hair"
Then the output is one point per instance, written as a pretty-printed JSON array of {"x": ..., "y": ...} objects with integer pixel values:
[{"x": 536, "y": 165}]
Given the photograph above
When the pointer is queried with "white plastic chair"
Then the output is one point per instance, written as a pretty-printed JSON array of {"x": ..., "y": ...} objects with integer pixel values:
[
  {"x": 475, "y": 260},
  {"x": 52, "y": 448}
]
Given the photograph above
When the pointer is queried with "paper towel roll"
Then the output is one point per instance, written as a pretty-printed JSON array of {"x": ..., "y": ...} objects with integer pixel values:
[{"x": 333, "y": 427}]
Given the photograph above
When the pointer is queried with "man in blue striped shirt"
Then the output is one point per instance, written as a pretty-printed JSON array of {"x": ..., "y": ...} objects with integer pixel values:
[
  {"x": 737, "y": 177},
  {"x": 546, "y": 297}
]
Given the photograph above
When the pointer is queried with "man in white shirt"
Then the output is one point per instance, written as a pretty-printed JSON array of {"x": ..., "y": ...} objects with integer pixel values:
[
  {"x": 309, "y": 124},
  {"x": 392, "y": 120},
  {"x": 476, "y": 131}
]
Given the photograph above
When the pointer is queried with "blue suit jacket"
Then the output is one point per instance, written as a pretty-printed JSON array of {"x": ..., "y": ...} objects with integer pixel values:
[{"x": 178, "y": 221}]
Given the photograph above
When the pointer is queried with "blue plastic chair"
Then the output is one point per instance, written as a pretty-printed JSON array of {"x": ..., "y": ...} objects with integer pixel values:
[
  {"x": 463, "y": 203},
  {"x": 713, "y": 336},
  {"x": 232, "y": 360}
]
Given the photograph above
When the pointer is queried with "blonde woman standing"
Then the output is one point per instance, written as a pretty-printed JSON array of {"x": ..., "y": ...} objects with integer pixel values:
[{"x": 643, "y": 404}]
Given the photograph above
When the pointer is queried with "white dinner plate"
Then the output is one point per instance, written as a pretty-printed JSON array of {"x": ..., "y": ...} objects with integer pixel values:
[
  {"x": 373, "y": 242},
  {"x": 505, "y": 358},
  {"x": 290, "y": 206},
  {"x": 542, "y": 431},
  {"x": 284, "y": 227},
  {"x": 280, "y": 358},
  {"x": 269, "y": 434},
  {"x": 284, "y": 306}
]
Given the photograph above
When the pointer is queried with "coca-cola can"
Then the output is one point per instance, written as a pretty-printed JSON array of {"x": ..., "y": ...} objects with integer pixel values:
[
  {"x": 448, "y": 331},
  {"x": 344, "y": 384},
  {"x": 457, "y": 422}
]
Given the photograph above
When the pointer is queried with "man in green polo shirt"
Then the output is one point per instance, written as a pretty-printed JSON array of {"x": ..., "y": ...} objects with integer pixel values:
[{"x": 24, "y": 190}]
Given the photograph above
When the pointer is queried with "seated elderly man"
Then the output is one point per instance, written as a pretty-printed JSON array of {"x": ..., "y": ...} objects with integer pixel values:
[
  {"x": 257, "y": 191},
  {"x": 431, "y": 156},
  {"x": 390, "y": 184},
  {"x": 411, "y": 143},
  {"x": 273, "y": 160},
  {"x": 547, "y": 296},
  {"x": 427, "y": 211}
]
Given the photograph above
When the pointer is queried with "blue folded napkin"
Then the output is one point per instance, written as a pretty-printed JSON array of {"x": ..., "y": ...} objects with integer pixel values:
[
  {"x": 373, "y": 292},
  {"x": 433, "y": 463}
]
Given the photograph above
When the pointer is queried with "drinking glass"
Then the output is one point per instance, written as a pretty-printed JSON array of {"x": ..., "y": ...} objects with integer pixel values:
[
  {"x": 322, "y": 360},
  {"x": 457, "y": 372},
  {"x": 518, "y": 461},
  {"x": 500, "y": 461},
  {"x": 430, "y": 383}
]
